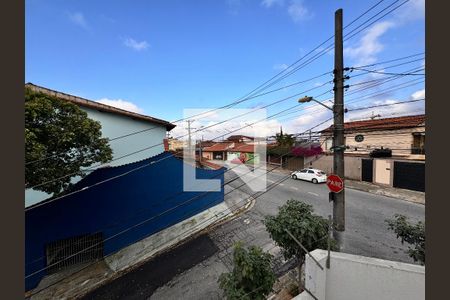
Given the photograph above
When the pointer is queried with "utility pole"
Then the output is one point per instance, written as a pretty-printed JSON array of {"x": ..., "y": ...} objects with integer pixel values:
[
  {"x": 189, "y": 138},
  {"x": 338, "y": 130}
]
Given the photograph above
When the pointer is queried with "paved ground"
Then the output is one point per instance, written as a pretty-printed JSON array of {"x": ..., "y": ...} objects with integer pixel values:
[{"x": 366, "y": 234}]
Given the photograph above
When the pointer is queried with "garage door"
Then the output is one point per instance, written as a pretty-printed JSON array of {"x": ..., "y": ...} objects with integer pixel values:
[{"x": 408, "y": 175}]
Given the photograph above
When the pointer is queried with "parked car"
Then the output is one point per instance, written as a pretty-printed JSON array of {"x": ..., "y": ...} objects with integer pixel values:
[{"x": 313, "y": 175}]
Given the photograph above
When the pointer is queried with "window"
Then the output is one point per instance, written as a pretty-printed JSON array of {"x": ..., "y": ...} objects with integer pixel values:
[
  {"x": 418, "y": 146},
  {"x": 72, "y": 251},
  {"x": 303, "y": 171},
  {"x": 311, "y": 172}
]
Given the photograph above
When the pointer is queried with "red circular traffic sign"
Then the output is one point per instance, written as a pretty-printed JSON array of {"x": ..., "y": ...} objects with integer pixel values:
[{"x": 335, "y": 183}]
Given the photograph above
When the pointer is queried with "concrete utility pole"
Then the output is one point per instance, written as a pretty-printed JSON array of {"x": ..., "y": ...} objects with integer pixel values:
[
  {"x": 189, "y": 138},
  {"x": 338, "y": 130}
]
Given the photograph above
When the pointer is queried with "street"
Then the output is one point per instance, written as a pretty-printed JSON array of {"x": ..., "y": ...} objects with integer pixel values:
[{"x": 366, "y": 234}]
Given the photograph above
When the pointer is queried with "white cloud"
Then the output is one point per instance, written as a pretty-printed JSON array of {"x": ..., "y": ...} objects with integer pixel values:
[
  {"x": 270, "y": 3},
  {"x": 369, "y": 45},
  {"x": 298, "y": 12},
  {"x": 411, "y": 11},
  {"x": 78, "y": 19},
  {"x": 418, "y": 95},
  {"x": 119, "y": 103},
  {"x": 133, "y": 44}
]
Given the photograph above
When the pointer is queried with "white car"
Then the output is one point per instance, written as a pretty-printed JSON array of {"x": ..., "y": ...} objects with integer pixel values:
[{"x": 313, "y": 175}]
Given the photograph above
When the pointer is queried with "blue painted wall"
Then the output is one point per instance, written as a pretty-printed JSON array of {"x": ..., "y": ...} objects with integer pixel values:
[
  {"x": 114, "y": 125},
  {"x": 116, "y": 205}
]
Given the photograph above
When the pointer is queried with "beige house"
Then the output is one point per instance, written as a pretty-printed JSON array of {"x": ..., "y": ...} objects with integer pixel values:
[
  {"x": 175, "y": 144},
  {"x": 405, "y": 136}
]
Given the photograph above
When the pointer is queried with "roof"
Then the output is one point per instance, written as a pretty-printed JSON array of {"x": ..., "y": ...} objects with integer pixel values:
[
  {"x": 239, "y": 137},
  {"x": 218, "y": 147},
  {"x": 243, "y": 148},
  {"x": 383, "y": 124},
  {"x": 98, "y": 106}
]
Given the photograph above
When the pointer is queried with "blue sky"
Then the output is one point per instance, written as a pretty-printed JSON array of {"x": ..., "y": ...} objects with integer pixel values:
[{"x": 160, "y": 57}]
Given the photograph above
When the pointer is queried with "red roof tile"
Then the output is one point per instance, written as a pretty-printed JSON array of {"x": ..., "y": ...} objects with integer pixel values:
[
  {"x": 383, "y": 124},
  {"x": 218, "y": 147},
  {"x": 243, "y": 148}
]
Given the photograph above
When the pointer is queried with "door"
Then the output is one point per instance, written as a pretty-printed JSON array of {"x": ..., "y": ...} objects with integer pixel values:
[
  {"x": 383, "y": 171},
  {"x": 367, "y": 170},
  {"x": 310, "y": 175},
  {"x": 302, "y": 174}
]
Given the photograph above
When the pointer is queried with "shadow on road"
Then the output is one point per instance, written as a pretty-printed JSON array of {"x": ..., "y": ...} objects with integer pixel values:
[{"x": 144, "y": 280}]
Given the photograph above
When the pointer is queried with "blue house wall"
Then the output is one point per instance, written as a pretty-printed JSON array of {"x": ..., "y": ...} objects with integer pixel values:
[{"x": 114, "y": 206}]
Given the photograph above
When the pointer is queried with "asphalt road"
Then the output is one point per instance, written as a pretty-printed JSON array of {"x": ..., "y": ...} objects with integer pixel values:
[{"x": 196, "y": 278}]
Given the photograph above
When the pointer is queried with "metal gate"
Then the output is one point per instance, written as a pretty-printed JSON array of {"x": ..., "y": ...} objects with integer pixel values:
[
  {"x": 293, "y": 163},
  {"x": 367, "y": 170},
  {"x": 72, "y": 251},
  {"x": 409, "y": 175}
]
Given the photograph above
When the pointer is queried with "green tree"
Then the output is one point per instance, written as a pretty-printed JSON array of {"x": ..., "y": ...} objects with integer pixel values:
[
  {"x": 284, "y": 139},
  {"x": 309, "y": 229},
  {"x": 252, "y": 276},
  {"x": 60, "y": 139},
  {"x": 413, "y": 234}
]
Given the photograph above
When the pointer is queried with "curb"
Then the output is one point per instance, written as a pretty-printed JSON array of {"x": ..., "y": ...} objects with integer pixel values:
[{"x": 376, "y": 190}]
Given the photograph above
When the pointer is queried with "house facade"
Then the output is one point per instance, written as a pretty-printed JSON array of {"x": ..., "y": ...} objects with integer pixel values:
[
  {"x": 218, "y": 151},
  {"x": 405, "y": 136},
  {"x": 128, "y": 132}
]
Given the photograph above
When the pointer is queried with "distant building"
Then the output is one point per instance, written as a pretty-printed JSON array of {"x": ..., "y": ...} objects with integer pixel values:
[
  {"x": 240, "y": 138},
  {"x": 176, "y": 145}
]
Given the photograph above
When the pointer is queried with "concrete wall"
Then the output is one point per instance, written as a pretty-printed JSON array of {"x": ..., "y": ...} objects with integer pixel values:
[
  {"x": 153, "y": 194},
  {"x": 352, "y": 166},
  {"x": 114, "y": 125},
  {"x": 353, "y": 277}
]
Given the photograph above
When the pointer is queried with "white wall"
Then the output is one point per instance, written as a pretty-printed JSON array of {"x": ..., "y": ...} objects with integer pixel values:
[
  {"x": 353, "y": 277},
  {"x": 114, "y": 125}
]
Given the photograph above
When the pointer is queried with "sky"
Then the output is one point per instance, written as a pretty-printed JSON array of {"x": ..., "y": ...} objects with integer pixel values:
[{"x": 160, "y": 58}]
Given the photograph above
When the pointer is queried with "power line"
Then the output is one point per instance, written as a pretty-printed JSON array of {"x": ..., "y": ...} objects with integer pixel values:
[
  {"x": 245, "y": 98},
  {"x": 176, "y": 207},
  {"x": 198, "y": 130},
  {"x": 392, "y": 60},
  {"x": 389, "y": 73},
  {"x": 209, "y": 111},
  {"x": 322, "y": 52},
  {"x": 387, "y": 104},
  {"x": 248, "y": 125}
]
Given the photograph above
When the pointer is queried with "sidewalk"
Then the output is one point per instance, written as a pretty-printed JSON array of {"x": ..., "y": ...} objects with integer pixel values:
[{"x": 407, "y": 195}]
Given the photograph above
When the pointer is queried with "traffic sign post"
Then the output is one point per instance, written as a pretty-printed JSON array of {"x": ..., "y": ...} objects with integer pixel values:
[{"x": 335, "y": 183}]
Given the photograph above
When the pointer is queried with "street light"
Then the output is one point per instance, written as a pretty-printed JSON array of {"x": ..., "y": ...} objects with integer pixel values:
[{"x": 308, "y": 99}]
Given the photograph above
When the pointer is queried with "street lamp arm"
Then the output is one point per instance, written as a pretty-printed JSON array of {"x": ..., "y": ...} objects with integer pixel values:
[
  {"x": 308, "y": 99},
  {"x": 323, "y": 104}
]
